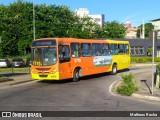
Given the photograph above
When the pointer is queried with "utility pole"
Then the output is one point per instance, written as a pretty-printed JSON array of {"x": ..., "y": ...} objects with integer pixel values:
[
  {"x": 33, "y": 21},
  {"x": 0, "y": 39},
  {"x": 153, "y": 40},
  {"x": 143, "y": 31}
]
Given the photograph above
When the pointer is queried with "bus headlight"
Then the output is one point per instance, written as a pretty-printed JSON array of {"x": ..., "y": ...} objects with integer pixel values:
[
  {"x": 32, "y": 71},
  {"x": 54, "y": 70}
]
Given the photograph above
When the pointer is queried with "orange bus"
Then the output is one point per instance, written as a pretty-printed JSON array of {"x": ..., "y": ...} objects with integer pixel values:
[{"x": 63, "y": 58}]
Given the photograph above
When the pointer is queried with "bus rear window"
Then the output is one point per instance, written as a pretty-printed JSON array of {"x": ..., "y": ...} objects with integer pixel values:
[{"x": 44, "y": 43}]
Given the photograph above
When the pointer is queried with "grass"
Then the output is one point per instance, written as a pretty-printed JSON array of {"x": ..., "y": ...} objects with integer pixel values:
[{"x": 7, "y": 70}]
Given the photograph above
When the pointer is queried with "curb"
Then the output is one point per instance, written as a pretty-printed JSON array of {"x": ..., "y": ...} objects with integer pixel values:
[
  {"x": 20, "y": 82},
  {"x": 153, "y": 98},
  {"x": 6, "y": 80},
  {"x": 134, "y": 65},
  {"x": 115, "y": 84}
]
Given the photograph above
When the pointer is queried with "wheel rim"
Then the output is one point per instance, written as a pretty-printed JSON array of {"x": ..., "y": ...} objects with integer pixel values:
[
  {"x": 77, "y": 75},
  {"x": 114, "y": 69}
]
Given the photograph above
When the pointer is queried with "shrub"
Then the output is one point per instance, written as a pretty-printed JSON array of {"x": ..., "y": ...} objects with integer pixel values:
[
  {"x": 128, "y": 85},
  {"x": 157, "y": 59},
  {"x": 144, "y": 59}
]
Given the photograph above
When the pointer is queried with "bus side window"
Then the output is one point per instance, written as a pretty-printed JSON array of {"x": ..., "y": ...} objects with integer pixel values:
[
  {"x": 113, "y": 49},
  {"x": 121, "y": 48},
  {"x": 75, "y": 50},
  {"x": 86, "y": 49},
  {"x": 96, "y": 49},
  {"x": 64, "y": 53},
  {"x": 105, "y": 49},
  {"x": 126, "y": 47}
]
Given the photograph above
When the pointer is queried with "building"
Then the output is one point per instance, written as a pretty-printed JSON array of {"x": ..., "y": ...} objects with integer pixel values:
[
  {"x": 82, "y": 12},
  {"x": 98, "y": 18},
  {"x": 131, "y": 32},
  {"x": 156, "y": 23},
  {"x": 143, "y": 47}
]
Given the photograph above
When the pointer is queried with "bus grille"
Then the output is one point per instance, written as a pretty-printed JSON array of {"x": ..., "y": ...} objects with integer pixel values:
[
  {"x": 43, "y": 72},
  {"x": 43, "y": 75},
  {"x": 43, "y": 69}
]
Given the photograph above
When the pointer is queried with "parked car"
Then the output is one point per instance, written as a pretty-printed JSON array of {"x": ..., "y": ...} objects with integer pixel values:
[
  {"x": 5, "y": 63},
  {"x": 28, "y": 62},
  {"x": 18, "y": 62}
]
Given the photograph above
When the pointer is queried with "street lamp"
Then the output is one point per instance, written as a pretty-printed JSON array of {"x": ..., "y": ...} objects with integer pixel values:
[
  {"x": 153, "y": 40},
  {"x": 33, "y": 21},
  {"x": 0, "y": 39}
]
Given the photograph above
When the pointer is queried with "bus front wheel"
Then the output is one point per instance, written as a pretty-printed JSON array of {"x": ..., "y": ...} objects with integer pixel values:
[
  {"x": 114, "y": 69},
  {"x": 76, "y": 75}
]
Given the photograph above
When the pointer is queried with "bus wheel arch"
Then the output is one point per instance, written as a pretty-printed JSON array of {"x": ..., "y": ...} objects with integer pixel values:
[
  {"x": 76, "y": 74},
  {"x": 114, "y": 69}
]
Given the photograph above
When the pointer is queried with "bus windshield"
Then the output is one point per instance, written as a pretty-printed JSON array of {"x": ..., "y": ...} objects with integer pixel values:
[{"x": 44, "y": 56}]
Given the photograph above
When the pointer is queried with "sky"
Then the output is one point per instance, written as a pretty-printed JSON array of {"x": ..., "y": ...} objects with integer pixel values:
[{"x": 121, "y": 11}]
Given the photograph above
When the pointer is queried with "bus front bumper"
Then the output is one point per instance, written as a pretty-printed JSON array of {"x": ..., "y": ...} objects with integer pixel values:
[{"x": 54, "y": 76}]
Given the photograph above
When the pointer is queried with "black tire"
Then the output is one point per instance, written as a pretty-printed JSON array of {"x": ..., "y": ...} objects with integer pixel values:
[
  {"x": 114, "y": 69},
  {"x": 76, "y": 75}
]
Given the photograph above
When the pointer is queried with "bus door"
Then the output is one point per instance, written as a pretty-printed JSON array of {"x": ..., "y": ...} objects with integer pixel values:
[
  {"x": 87, "y": 59},
  {"x": 64, "y": 62},
  {"x": 76, "y": 55}
]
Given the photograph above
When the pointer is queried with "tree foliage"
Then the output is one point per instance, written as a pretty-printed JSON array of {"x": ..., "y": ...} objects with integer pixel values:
[
  {"x": 111, "y": 30},
  {"x": 148, "y": 27},
  {"x": 16, "y": 26}
]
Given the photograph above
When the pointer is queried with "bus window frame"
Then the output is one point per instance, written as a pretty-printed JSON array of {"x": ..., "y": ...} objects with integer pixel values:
[
  {"x": 115, "y": 52},
  {"x": 61, "y": 56},
  {"x": 90, "y": 50},
  {"x": 79, "y": 50},
  {"x": 104, "y": 49},
  {"x": 97, "y": 52},
  {"x": 121, "y": 51},
  {"x": 126, "y": 49}
]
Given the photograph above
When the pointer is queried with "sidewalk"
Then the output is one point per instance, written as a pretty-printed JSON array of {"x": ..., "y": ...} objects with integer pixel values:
[
  {"x": 144, "y": 82},
  {"x": 9, "y": 80}
]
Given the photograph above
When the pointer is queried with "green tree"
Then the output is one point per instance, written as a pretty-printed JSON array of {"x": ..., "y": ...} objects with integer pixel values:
[
  {"x": 53, "y": 21},
  {"x": 59, "y": 21},
  {"x": 83, "y": 28},
  {"x": 16, "y": 28},
  {"x": 50, "y": 21},
  {"x": 111, "y": 30},
  {"x": 148, "y": 27}
]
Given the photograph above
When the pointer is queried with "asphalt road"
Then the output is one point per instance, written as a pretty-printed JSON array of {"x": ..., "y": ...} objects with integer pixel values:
[{"x": 89, "y": 94}]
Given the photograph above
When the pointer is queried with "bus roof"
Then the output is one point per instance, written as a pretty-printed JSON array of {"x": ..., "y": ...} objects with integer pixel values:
[{"x": 84, "y": 40}]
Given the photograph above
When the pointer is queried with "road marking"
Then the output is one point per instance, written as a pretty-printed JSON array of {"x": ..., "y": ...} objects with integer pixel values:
[{"x": 110, "y": 88}]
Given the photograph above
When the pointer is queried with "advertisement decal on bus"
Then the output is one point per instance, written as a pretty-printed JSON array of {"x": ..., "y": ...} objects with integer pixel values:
[{"x": 102, "y": 60}]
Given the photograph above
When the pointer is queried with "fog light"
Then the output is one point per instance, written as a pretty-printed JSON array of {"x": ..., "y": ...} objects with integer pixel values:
[{"x": 53, "y": 76}]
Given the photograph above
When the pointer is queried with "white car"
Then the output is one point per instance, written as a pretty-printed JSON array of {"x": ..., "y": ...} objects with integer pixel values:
[{"x": 4, "y": 63}]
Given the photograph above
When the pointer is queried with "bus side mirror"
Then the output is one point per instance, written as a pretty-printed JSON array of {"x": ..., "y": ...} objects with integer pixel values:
[{"x": 61, "y": 56}]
